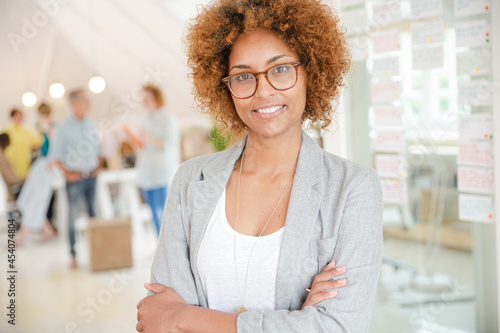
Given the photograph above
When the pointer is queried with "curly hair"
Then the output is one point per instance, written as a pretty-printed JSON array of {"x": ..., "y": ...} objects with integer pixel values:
[{"x": 309, "y": 27}]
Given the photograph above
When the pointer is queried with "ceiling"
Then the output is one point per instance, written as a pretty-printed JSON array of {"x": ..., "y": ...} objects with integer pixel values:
[{"x": 127, "y": 42}]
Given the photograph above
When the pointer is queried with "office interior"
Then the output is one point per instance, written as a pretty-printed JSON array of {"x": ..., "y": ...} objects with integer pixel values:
[{"x": 421, "y": 105}]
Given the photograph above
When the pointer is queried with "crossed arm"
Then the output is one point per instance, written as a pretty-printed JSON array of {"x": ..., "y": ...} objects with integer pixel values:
[{"x": 167, "y": 312}]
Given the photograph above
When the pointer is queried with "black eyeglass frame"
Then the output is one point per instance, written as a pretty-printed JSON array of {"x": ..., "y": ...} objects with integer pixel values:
[{"x": 295, "y": 64}]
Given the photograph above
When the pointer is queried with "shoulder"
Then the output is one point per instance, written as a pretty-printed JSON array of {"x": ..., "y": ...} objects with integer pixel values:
[
  {"x": 191, "y": 169},
  {"x": 7, "y": 129},
  {"x": 337, "y": 166},
  {"x": 345, "y": 176},
  {"x": 62, "y": 124},
  {"x": 89, "y": 122},
  {"x": 168, "y": 116}
]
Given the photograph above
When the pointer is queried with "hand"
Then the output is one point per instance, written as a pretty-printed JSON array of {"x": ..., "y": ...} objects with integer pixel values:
[
  {"x": 322, "y": 283},
  {"x": 72, "y": 177},
  {"x": 136, "y": 142},
  {"x": 96, "y": 172},
  {"x": 160, "y": 312}
]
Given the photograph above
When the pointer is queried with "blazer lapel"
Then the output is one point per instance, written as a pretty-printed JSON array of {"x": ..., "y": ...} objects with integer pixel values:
[
  {"x": 303, "y": 210},
  {"x": 204, "y": 193}
]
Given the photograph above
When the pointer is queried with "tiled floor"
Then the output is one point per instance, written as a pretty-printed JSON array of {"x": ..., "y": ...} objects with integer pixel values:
[{"x": 53, "y": 298}]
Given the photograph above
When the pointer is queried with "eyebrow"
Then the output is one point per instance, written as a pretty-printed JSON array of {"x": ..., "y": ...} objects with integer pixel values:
[{"x": 273, "y": 59}]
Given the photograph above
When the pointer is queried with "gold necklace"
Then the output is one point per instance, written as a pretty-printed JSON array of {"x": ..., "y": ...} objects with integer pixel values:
[{"x": 242, "y": 307}]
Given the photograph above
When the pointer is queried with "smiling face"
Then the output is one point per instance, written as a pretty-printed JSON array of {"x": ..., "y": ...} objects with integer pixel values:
[{"x": 269, "y": 112}]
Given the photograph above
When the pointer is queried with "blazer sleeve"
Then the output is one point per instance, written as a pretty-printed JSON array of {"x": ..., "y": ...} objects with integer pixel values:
[
  {"x": 171, "y": 265},
  {"x": 359, "y": 248}
]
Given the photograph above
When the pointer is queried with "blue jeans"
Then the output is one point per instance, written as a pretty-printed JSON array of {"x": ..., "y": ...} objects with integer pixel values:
[
  {"x": 156, "y": 200},
  {"x": 76, "y": 192}
]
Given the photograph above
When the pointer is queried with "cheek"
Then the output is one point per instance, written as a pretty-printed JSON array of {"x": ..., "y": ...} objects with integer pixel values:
[{"x": 240, "y": 105}]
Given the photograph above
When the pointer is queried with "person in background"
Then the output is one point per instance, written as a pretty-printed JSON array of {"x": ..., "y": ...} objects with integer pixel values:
[
  {"x": 76, "y": 150},
  {"x": 45, "y": 125},
  {"x": 22, "y": 143},
  {"x": 9, "y": 177},
  {"x": 159, "y": 151},
  {"x": 36, "y": 200}
]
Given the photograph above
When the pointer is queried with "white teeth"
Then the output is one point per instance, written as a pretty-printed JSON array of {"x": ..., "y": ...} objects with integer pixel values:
[{"x": 270, "y": 110}]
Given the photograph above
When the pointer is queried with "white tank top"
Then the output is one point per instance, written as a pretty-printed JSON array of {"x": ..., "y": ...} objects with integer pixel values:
[{"x": 217, "y": 270}]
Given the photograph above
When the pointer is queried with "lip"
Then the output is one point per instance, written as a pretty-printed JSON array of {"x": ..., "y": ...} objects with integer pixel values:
[{"x": 268, "y": 115}]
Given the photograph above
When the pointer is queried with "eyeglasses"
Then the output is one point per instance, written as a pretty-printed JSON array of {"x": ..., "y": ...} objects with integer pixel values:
[{"x": 280, "y": 77}]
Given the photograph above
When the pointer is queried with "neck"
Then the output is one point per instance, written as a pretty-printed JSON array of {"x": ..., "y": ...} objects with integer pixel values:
[
  {"x": 78, "y": 116},
  {"x": 271, "y": 155}
]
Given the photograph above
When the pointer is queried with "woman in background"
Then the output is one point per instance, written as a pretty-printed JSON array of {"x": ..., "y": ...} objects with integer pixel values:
[
  {"x": 45, "y": 126},
  {"x": 158, "y": 155}
]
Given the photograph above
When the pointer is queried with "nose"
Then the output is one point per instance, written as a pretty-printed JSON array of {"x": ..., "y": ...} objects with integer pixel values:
[{"x": 264, "y": 88}]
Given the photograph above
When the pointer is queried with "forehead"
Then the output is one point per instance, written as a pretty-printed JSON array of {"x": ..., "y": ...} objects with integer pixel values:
[{"x": 254, "y": 49}]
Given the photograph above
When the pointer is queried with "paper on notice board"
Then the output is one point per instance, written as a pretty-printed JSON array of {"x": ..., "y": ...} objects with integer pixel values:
[
  {"x": 385, "y": 67},
  {"x": 384, "y": 92},
  {"x": 475, "y": 153},
  {"x": 428, "y": 57},
  {"x": 426, "y": 8},
  {"x": 390, "y": 142},
  {"x": 387, "y": 41},
  {"x": 474, "y": 62},
  {"x": 473, "y": 33},
  {"x": 355, "y": 20},
  {"x": 359, "y": 47},
  {"x": 475, "y": 93},
  {"x": 475, "y": 208},
  {"x": 471, "y": 7},
  {"x": 386, "y": 13},
  {"x": 427, "y": 32},
  {"x": 388, "y": 116},
  {"x": 391, "y": 166},
  {"x": 394, "y": 191},
  {"x": 475, "y": 180},
  {"x": 476, "y": 126}
]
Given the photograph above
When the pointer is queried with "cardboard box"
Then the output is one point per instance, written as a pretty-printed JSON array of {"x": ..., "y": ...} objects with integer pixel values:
[{"x": 110, "y": 243}]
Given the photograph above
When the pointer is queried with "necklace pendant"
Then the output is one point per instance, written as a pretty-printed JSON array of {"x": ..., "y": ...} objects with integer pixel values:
[{"x": 242, "y": 309}]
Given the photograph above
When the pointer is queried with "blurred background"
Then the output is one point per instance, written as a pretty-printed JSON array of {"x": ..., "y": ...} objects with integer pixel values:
[{"x": 418, "y": 106}]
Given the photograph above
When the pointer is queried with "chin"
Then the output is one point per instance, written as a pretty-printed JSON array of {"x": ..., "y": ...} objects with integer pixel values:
[{"x": 275, "y": 132}]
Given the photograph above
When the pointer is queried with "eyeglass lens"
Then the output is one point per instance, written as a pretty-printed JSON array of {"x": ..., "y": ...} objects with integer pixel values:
[{"x": 280, "y": 77}]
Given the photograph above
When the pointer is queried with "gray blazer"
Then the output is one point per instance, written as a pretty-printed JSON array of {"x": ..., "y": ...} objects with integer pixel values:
[{"x": 335, "y": 213}]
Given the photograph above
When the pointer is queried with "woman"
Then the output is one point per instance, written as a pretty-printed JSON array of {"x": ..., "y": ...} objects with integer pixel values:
[
  {"x": 252, "y": 235},
  {"x": 159, "y": 151},
  {"x": 45, "y": 125}
]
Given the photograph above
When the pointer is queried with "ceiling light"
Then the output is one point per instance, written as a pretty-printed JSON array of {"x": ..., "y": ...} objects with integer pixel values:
[
  {"x": 97, "y": 84},
  {"x": 29, "y": 99},
  {"x": 56, "y": 90}
]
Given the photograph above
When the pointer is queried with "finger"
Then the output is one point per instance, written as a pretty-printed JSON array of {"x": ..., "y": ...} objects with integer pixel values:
[
  {"x": 155, "y": 287},
  {"x": 320, "y": 297},
  {"x": 327, "y": 285},
  {"x": 315, "y": 298},
  {"x": 328, "y": 274},
  {"x": 139, "y": 304},
  {"x": 138, "y": 327},
  {"x": 330, "y": 265}
]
